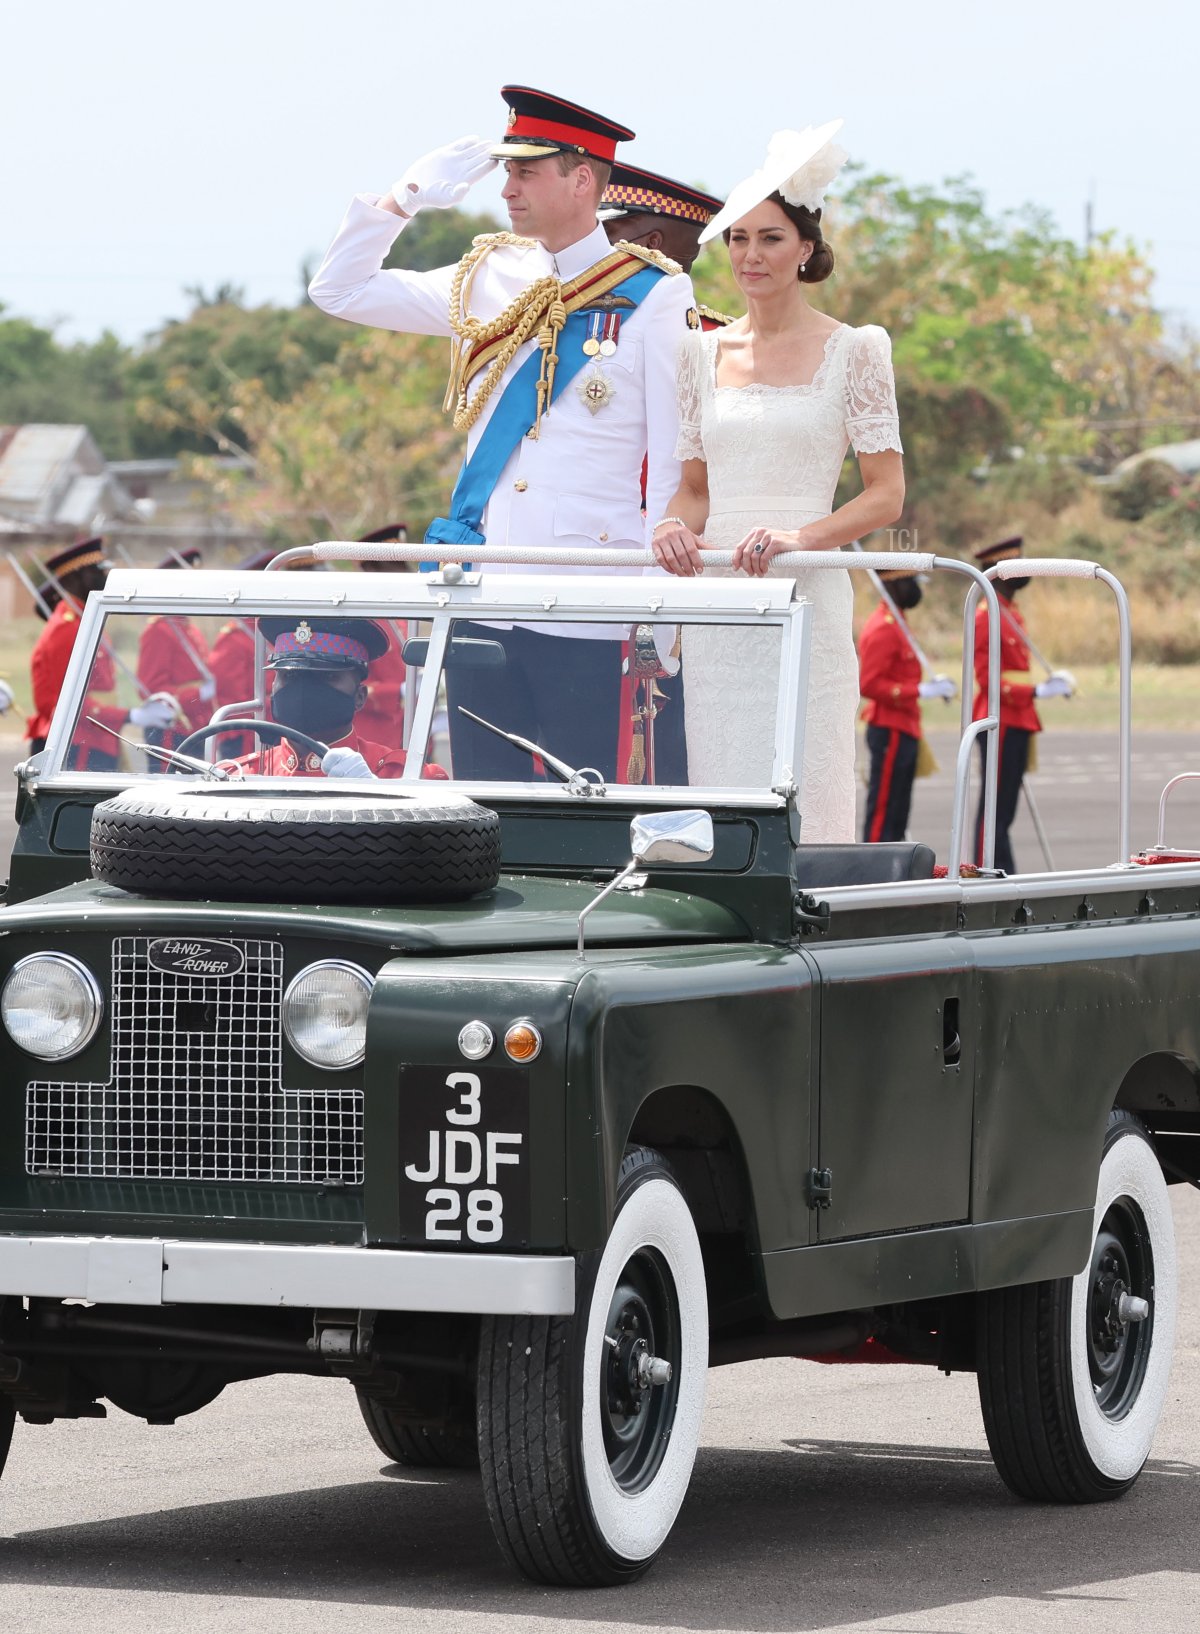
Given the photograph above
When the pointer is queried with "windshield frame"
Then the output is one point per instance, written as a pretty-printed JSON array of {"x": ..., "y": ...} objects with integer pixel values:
[{"x": 543, "y": 598}]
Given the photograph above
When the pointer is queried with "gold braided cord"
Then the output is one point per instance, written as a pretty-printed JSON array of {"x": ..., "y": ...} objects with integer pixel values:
[
  {"x": 521, "y": 315},
  {"x": 653, "y": 258},
  {"x": 541, "y": 306}
]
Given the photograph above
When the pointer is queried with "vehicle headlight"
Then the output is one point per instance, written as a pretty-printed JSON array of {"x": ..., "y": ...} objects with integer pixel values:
[
  {"x": 51, "y": 1005},
  {"x": 325, "y": 1013}
]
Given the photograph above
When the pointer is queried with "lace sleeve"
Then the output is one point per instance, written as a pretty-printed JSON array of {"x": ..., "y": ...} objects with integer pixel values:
[
  {"x": 872, "y": 423},
  {"x": 689, "y": 375}
]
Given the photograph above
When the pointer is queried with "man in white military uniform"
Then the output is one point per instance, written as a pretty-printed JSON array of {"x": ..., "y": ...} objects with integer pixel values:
[{"x": 569, "y": 345}]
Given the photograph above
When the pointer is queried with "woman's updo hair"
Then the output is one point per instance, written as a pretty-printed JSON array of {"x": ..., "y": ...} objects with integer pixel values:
[{"x": 808, "y": 224}]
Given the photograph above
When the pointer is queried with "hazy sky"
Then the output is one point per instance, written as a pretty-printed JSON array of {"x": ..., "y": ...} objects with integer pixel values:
[{"x": 147, "y": 146}]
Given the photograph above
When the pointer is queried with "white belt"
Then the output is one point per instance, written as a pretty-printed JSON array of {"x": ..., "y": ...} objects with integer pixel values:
[{"x": 748, "y": 504}]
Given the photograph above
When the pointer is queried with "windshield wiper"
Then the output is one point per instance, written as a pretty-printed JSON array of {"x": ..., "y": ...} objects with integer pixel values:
[
  {"x": 585, "y": 781},
  {"x": 171, "y": 756}
]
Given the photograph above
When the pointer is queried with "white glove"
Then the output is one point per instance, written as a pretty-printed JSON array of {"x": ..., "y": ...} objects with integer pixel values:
[
  {"x": 345, "y": 763},
  {"x": 1060, "y": 684},
  {"x": 6, "y": 697},
  {"x": 208, "y": 691},
  {"x": 938, "y": 686},
  {"x": 158, "y": 712},
  {"x": 444, "y": 177}
]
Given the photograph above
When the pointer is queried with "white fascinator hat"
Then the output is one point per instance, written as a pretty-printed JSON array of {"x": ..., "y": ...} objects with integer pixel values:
[{"x": 800, "y": 164}]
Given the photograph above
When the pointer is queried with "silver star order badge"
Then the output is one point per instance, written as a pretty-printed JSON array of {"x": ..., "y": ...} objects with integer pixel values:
[{"x": 596, "y": 389}]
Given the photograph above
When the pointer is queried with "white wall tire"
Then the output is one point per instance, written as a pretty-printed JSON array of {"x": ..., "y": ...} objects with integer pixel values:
[
  {"x": 1118, "y": 1416},
  {"x": 584, "y": 1467},
  {"x": 1072, "y": 1390}
]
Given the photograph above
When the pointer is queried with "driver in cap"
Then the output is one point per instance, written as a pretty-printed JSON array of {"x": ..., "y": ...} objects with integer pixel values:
[{"x": 320, "y": 669}]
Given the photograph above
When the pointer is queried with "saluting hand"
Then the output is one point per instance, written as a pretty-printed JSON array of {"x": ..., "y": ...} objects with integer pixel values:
[{"x": 443, "y": 178}]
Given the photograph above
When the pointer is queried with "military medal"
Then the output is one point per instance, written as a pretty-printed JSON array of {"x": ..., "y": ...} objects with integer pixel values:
[
  {"x": 612, "y": 328},
  {"x": 591, "y": 346},
  {"x": 595, "y": 389}
]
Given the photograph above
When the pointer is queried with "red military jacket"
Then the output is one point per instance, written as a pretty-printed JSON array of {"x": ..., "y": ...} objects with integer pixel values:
[
  {"x": 48, "y": 667},
  {"x": 382, "y": 716},
  {"x": 1016, "y": 683},
  {"x": 889, "y": 674},
  {"x": 285, "y": 760},
  {"x": 231, "y": 661},
  {"x": 170, "y": 653}
]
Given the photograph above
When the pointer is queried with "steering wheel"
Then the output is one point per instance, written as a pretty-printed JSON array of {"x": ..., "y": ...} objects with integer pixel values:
[{"x": 270, "y": 730}]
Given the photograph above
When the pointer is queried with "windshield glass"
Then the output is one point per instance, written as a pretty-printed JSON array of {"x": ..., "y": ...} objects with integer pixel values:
[{"x": 477, "y": 700}]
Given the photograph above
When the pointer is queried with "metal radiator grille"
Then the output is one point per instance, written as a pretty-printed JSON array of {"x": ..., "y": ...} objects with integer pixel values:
[{"x": 195, "y": 1092}]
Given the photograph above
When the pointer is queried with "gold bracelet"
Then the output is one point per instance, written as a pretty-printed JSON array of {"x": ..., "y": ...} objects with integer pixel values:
[{"x": 678, "y": 521}]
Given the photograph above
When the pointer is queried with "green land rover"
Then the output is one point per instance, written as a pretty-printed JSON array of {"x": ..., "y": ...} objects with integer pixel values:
[{"x": 521, "y": 1103}]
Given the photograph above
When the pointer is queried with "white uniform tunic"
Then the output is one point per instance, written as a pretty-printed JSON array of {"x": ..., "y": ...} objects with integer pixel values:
[{"x": 580, "y": 482}]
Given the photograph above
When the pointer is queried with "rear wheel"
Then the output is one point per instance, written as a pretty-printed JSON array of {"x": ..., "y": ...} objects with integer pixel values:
[
  {"x": 1073, "y": 1373},
  {"x": 448, "y": 1442},
  {"x": 588, "y": 1426}
]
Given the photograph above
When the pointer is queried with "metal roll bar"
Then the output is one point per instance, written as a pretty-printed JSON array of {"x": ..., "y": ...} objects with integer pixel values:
[{"x": 1066, "y": 567}]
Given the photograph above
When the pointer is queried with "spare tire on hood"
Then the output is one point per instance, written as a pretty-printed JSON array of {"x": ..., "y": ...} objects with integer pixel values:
[{"x": 224, "y": 843}]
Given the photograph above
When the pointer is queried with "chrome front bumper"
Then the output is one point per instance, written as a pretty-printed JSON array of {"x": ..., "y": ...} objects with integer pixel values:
[{"x": 165, "y": 1271}]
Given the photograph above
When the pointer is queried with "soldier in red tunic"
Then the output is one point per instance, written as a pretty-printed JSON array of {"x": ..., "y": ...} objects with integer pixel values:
[
  {"x": 890, "y": 680},
  {"x": 173, "y": 658},
  {"x": 382, "y": 716},
  {"x": 79, "y": 570},
  {"x": 320, "y": 668},
  {"x": 231, "y": 661},
  {"x": 1018, "y": 717}
]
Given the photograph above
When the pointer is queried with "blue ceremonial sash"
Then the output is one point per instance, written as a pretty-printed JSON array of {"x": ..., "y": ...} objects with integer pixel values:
[{"x": 514, "y": 413}]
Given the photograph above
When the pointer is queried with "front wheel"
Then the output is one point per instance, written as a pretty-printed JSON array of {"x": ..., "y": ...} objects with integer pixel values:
[
  {"x": 589, "y": 1425},
  {"x": 1073, "y": 1373}
]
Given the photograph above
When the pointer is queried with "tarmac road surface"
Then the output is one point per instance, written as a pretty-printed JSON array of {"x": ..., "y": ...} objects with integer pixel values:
[
  {"x": 839, "y": 1498},
  {"x": 824, "y": 1498}
]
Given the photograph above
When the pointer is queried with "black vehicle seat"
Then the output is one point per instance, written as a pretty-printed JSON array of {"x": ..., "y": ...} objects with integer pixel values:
[{"x": 818, "y": 867}]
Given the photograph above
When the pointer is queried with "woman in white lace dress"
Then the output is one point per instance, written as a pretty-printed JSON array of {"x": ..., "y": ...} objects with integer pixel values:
[{"x": 768, "y": 407}]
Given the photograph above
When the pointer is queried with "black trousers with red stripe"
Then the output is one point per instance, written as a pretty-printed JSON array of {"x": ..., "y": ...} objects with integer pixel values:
[
  {"x": 889, "y": 792},
  {"x": 1014, "y": 757}
]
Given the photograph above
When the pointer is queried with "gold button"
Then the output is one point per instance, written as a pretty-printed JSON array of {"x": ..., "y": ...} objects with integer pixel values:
[
  {"x": 603, "y": 538},
  {"x": 520, "y": 485}
]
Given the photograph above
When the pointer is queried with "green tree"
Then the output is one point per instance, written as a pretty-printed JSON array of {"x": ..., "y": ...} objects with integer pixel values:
[
  {"x": 361, "y": 443},
  {"x": 43, "y": 381},
  {"x": 185, "y": 379},
  {"x": 438, "y": 238}
]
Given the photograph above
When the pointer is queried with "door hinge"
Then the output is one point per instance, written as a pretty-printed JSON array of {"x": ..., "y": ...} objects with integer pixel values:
[
  {"x": 820, "y": 1188},
  {"x": 808, "y": 915}
]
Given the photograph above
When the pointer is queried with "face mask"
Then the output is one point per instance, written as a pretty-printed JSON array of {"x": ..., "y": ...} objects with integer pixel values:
[
  {"x": 1013, "y": 585},
  {"x": 906, "y": 593},
  {"x": 311, "y": 705}
]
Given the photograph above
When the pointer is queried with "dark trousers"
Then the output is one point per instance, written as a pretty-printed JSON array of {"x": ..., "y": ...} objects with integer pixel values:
[
  {"x": 1014, "y": 756},
  {"x": 889, "y": 792},
  {"x": 670, "y": 738},
  {"x": 563, "y": 694}
]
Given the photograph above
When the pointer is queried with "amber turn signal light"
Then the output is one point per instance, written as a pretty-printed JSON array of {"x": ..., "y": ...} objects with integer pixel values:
[{"x": 522, "y": 1041}]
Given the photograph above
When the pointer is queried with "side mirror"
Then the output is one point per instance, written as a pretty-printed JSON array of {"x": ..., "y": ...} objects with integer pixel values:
[
  {"x": 462, "y": 652},
  {"x": 672, "y": 836},
  {"x": 655, "y": 837}
]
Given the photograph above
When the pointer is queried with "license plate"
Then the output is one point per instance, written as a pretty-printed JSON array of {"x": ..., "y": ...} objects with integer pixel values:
[{"x": 464, "y": 1156}]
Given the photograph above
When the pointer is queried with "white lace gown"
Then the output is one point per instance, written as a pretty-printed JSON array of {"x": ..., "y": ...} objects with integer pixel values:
[{"x": 774, "y": 454}]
